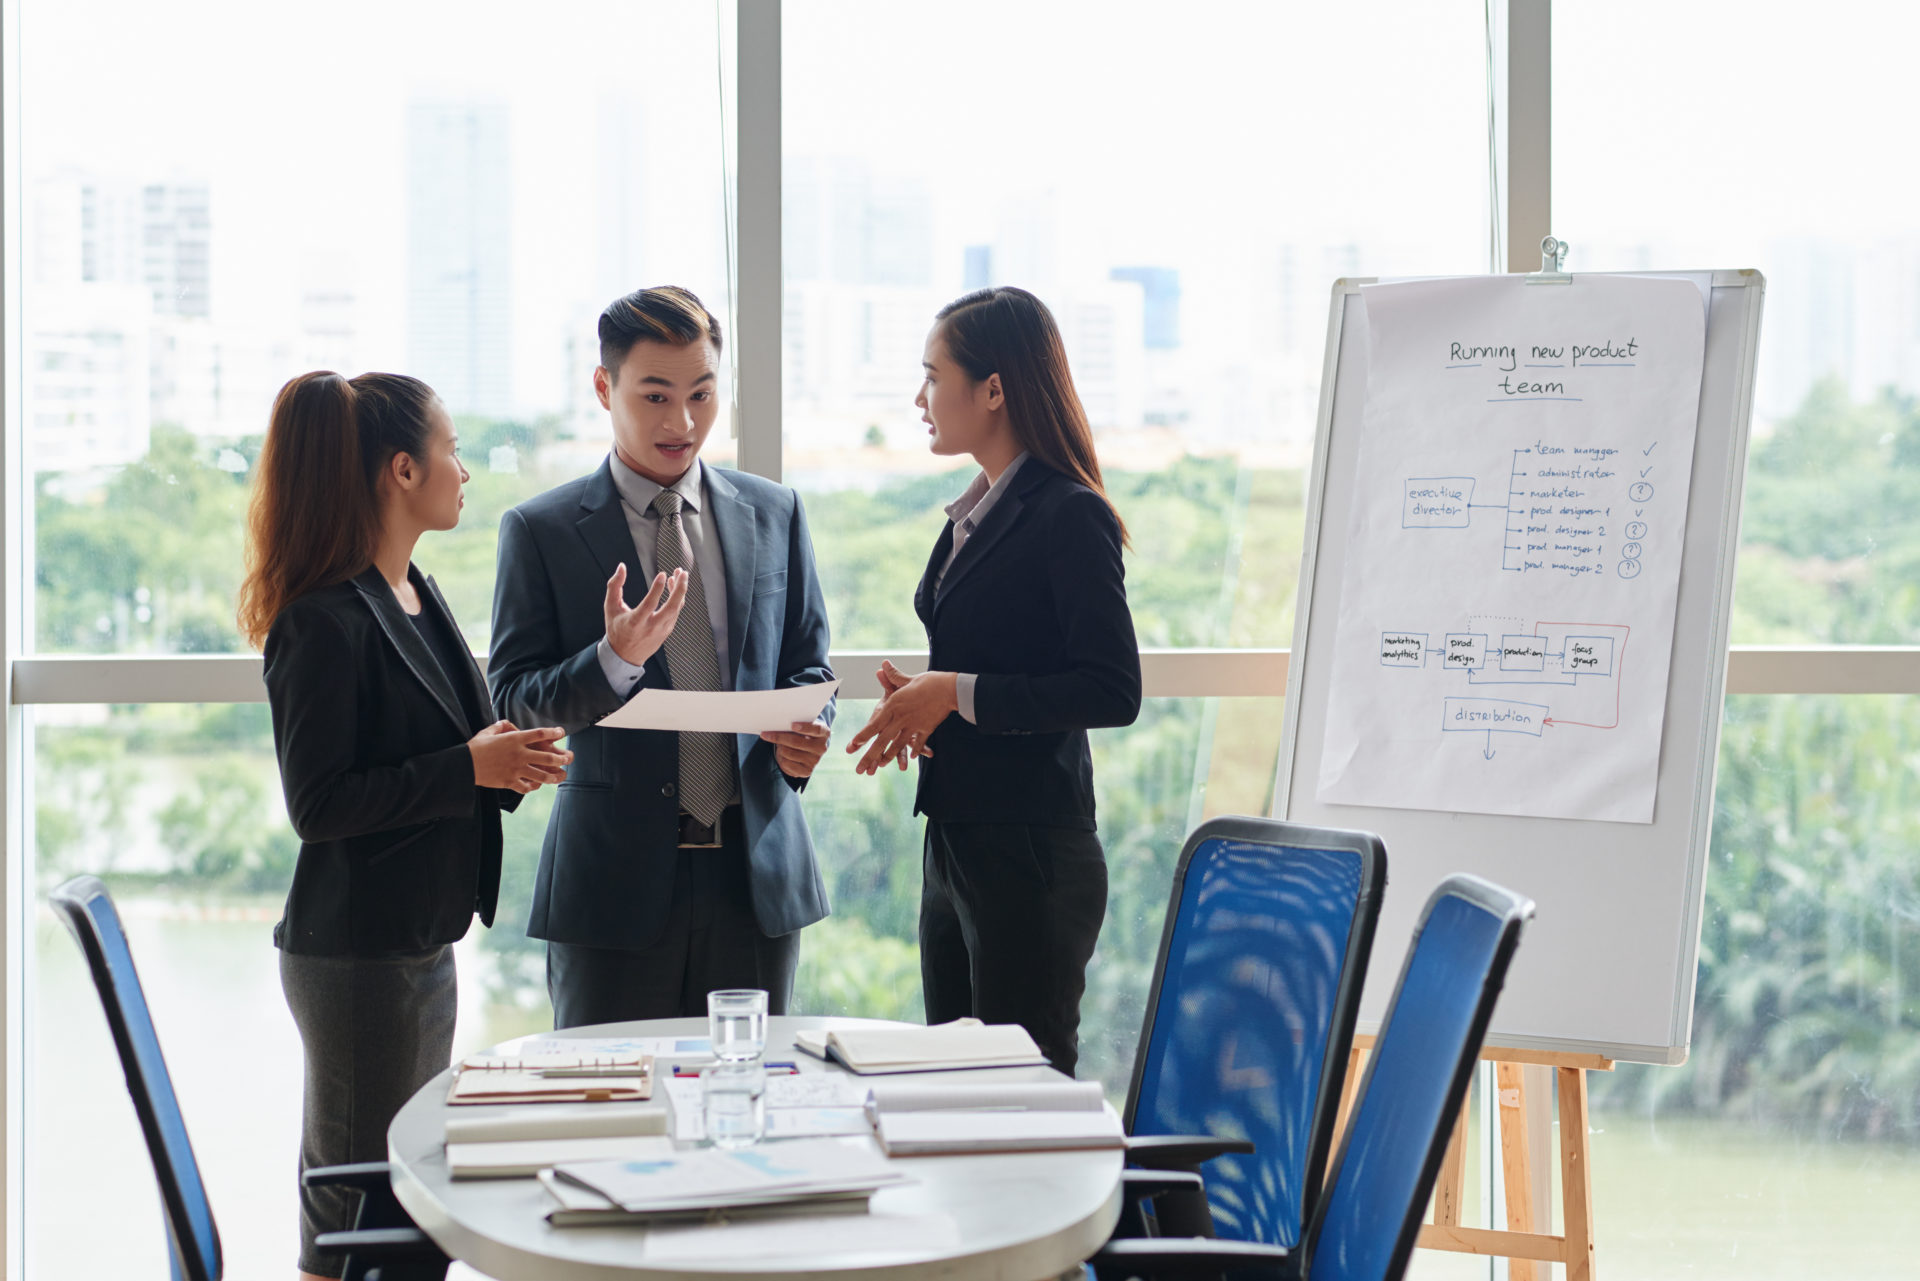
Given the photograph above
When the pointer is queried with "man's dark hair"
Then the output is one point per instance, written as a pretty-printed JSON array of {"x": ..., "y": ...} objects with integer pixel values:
[{"x": 665, "y": 313}]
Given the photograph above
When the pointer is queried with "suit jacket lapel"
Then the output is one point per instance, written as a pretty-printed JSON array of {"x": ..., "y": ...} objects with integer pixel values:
[
  {"x": 475, "y": 678},
  {"x": 733, "y": 520},
  {"x": 603, "y": 524},
  {"x": 923, "y": 594},
  {"x": 1005, "y": 511},
  {"x": 413, "y": 651}
]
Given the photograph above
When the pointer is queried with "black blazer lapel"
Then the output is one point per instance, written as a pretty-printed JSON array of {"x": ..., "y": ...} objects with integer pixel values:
[
  {"x": 923, "y": 594},
  {"x": 733, "y": 520},
  {"x": 1003, "y": 516},
  {"x": 603, "y": 524},
  {"x": 475, "y": 679},
  {"x": 406, "y": 641}
]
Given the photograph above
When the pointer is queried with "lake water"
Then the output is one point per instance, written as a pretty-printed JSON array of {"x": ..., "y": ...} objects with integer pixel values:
[{"x": 1692, "y": 1200}]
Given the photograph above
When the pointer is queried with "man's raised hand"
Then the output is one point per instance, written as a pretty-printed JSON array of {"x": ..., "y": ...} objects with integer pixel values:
[{"x": 636, "y": 634}]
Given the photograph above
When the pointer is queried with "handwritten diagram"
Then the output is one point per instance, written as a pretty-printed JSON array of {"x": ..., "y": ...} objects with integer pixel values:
[
  {"x": 1584, "y": 660},
  {"x": 1513, "y": 551}
]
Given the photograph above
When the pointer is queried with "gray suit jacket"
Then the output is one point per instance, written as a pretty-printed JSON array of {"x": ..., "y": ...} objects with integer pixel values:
[{"x": 607, "y": 866}]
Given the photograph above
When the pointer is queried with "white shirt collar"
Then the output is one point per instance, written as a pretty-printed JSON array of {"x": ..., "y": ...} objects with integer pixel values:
[{"x": 979, "y": 497}]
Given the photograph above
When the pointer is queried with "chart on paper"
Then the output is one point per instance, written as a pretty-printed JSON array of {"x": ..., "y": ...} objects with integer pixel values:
[{"x": 1513, "y": 558}]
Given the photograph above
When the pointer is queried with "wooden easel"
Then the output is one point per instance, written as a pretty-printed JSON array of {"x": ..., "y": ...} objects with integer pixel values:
[{"x": 1527, "y": 1238}]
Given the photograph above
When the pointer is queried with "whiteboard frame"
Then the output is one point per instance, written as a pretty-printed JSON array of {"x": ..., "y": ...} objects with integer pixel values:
[{"x": 1705, "y": 766}]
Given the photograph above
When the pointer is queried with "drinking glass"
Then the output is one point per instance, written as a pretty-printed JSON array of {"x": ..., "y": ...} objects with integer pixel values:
[
  {"x": 737, "y": 1024},
  {"x": 734, "y": 1103}
]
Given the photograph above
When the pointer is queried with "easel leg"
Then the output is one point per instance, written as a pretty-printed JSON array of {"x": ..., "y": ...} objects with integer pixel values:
[
  {"x": 1575, "y": 1188},
  {"x": 1514, "y": 1163},
  {"x": 1449, "y": 1188}
]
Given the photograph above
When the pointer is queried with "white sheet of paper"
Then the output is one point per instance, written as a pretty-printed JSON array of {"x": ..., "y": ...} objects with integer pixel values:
[
  {"x": 814, "y": 1094},
  {"x": 751, "y": 711},
  {"x": 1513, "y": 556}
]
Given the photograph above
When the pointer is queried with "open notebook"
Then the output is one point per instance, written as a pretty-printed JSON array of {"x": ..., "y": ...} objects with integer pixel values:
[{"x": 963, "y": 1043}]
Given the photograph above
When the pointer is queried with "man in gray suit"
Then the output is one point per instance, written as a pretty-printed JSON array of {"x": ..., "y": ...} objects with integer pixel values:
[{"x": 674, "y": 864}]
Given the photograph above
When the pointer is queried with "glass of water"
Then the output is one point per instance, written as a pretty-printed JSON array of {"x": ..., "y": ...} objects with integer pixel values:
[
  {"x": 737, "y": 1024},
  {"x": 734, "y": 1103}
]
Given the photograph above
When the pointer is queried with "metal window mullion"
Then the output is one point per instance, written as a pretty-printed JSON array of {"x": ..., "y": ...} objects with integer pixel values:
[
  {"x": 758, "y": 291},
  {"x": 1529, "y": 110},
  {"x": 16, "y": 578}
]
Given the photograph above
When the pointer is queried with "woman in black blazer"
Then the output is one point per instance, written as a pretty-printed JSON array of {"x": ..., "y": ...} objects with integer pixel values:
[
  {"x": 394, "y": 768},
  {"x": 1025, "y": 605}
]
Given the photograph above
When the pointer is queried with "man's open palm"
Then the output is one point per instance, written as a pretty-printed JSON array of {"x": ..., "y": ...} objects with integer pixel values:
[{"x": 637, "y": 633}]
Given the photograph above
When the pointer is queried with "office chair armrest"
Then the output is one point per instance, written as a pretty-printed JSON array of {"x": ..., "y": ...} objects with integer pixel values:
[
  {"x": 1180, "y": 1151},
  {"x": 378, "y": 1207},
  {"x": 386, "y": 1244},
  {"x": 1183, "y": 1257},
  {"x": 1137, "y": 1186},
  {"x": 366, "y": 1176}
]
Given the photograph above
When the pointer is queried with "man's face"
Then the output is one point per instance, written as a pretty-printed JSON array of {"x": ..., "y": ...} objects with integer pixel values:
[{"x": 663, "y": 401}]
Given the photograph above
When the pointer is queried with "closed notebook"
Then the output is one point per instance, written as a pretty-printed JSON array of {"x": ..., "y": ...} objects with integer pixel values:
[
  {"x": 954, "y": 1133},
  {"x": 963, "y": 1043},
  {"x": 560, "y": 1121},
  {"x": 928, "y": 1094},
  {"x": 527, "y": 1158},
  {"x": 575, "y": 1206},
  {"x": 715, "y": 1178}
]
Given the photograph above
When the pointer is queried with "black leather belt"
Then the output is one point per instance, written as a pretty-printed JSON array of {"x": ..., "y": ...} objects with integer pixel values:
[{"x": 695, "y": 835}]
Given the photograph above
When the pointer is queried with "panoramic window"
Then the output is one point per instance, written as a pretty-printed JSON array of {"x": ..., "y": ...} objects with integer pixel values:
[
  {"x": 1791, "y": 1133},
  {"x": 435, "y": 199}
]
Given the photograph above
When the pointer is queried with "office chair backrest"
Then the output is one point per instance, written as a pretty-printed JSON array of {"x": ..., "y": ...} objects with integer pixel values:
[
  {"x": 1250, "y": 1016},
  {"x": 1417, "y": 1076},
  {"x": 84, "y": 905}
]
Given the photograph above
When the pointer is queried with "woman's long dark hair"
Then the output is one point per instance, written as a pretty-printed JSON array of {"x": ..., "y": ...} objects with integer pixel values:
[
  {"x": 314, "y": 518},
  {"x": 1010, "y": 332}
]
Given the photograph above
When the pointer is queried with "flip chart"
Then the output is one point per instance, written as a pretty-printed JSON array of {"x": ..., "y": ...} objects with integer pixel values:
[{"x": 1506, "y": 621}]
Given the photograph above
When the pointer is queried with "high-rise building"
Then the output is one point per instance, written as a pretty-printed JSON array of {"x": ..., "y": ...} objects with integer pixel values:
[
  {"x": 851, "y": 226},
  {"x": 1160, "y": 287},
  {"x": 87, "y": 376},
  {"x": 977, "y": 273},
  {"x": 460, "y": 253},
  {"x": 176, "y": 242},
  {"x": 97, "y": 230},
  {"x": 620, "y": 175}
]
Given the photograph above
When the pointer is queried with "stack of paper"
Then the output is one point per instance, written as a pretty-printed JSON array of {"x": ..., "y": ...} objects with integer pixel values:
[
  {"x": 518, "y": 1160},
  {"x": 963, "y": 1043},
  {"x": 810, "y": 1172},
  {"x": 944, "y": 1133},
  {"x": 560, "y": 1121},
  {"x": 580, "y": 1207}
]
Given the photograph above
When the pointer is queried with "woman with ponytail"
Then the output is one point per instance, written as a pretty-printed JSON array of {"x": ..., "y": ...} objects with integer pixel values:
[
  {"x": 394, "y": 768},
  {"x": 1025, "y": 605}
]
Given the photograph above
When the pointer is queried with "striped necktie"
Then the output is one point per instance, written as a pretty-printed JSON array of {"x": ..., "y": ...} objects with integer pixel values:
[{"x": 707, "y": 765}]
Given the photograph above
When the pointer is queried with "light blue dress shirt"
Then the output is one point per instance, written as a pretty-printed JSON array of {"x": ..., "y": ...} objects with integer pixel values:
[{"x": 636, "y": 501}]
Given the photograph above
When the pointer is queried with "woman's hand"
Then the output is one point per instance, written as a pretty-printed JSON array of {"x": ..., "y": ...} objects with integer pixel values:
[
  {"x": 911, "y": 708},
  {"x": 517, "y": 760}
]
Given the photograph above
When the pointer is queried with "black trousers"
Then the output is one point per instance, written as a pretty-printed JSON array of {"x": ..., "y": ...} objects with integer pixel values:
[
  {"x": 374, "y": 1029},
  {"x": 1009, "y": 915},
  {"x": 711, "y": 941}
]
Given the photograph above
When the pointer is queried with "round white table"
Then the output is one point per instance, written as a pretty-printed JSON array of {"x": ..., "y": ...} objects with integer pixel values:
[{"x": 1015, "y": 1217}]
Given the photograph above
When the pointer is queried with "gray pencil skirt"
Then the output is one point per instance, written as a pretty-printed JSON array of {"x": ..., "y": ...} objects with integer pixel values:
[{"x": 375, "y": 1029}]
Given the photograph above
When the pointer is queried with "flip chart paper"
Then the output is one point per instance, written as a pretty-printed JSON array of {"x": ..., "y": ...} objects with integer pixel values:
[
  {"x": 1513, "y": 558},
  {"x": 738, "y": 712}
]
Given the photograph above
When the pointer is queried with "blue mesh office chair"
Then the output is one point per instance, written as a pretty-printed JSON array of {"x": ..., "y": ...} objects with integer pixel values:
[
  {"x": 1249, "y": 1024},
  {"x": 391, "y": 1250},
  {"x": 1365, "y": 1226}
]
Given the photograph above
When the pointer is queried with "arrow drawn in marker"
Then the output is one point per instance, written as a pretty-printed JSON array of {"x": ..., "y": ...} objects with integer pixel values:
[{"x": 1488, "y": 753}]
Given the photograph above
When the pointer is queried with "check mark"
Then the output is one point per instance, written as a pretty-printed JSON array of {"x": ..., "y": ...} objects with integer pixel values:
[
  {"x": 1644, "y": 471},
  {"x": 1648, "y": 449}
]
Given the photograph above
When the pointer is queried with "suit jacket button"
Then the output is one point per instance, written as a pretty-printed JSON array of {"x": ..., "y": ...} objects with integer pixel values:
[{"x": 669, "y": 791}]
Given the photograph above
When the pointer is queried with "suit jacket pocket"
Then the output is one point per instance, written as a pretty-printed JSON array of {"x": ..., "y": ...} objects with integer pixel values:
[
  {"x": 404, "y": 840},
  {"x": 768, "y": 584}
]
